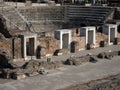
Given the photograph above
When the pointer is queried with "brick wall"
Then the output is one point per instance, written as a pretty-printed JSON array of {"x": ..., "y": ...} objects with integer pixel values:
[
  {"x": 4, "y": 44},
  {"x": 100, "y": 37},
  {"x": 48, "y": 45},
  {"x": 81, "y": 41}
]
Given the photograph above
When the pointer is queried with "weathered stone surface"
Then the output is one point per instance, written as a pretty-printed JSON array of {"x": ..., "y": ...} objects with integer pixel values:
[
  {"x": 62, "y": 51},
  {"x": 30, "y": 68},
  {"x": 43, "y": 71},
  {"x": 48, "y": 45},
  {"x": 93, "y": 59},
  {"x": 108, "y": 55},
  {"x": 80, "y": 40},
  {"x": 18, "y": 76},
  {"x": 31, "y": 64},
  {"x": 72, "y": 61},
  {"x": 5, "y": 60},
  {"x": 17, "y": 48},
  {"x": 109, "y": 83},
  {"x": 104, "y": 55},
  {"x": 101, "y": 37},
  {"x": 77, "y": 60}
]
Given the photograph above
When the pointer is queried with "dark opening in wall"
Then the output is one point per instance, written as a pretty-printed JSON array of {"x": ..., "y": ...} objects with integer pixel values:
[
  {"x": 77, "y": 31},
  {"x": 83, "y": 25},
  {"x": 119, "y": 28}
]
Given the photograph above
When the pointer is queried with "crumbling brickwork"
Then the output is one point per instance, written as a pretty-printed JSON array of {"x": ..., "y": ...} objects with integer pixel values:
[
  {"x": 76, "y": 32},
  {"x": 5, "y": 44},
  {"x": 48, "y": 45},
  {"x": 80, "y": 39},
  {"x": 100, "y": 37}
]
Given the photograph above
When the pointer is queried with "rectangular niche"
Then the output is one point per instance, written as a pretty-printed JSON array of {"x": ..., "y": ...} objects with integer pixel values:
[
  {"x": 64, "y": 35},
  {"x": 111, "y": 31},
  {"x": 89, "y": 33},
  {"x": 29, "y": 46}
]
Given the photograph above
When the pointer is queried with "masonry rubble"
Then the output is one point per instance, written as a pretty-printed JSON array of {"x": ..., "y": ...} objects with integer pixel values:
[{"x": 73, "y": 60}]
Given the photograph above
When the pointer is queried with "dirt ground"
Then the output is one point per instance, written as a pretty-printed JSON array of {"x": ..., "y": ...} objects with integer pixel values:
[{"x": 68, "y": 75}]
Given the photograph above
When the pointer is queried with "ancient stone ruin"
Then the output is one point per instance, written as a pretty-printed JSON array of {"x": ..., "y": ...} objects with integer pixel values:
[{"x": 31, "y": 33}]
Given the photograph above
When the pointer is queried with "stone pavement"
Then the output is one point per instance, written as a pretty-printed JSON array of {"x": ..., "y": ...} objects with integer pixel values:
[{"x": 68, "y": 75}]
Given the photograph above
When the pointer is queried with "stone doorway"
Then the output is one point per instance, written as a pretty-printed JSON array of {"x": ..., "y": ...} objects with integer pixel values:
[
  {"x": 65, "y": 41},
  {"x": 64, "y": 35},
  {"x": 90, "y": 37},
  {"x": 111, "y": 31},
  {"x": 29, "y": 46},
  {"x": 112, "y": 35}
]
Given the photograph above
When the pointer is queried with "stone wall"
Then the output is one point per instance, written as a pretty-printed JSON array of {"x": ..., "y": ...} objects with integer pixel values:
[
  {"x": 80, "y": 39},
  {"x": 100, "y": 37},
  {"x": 5, "y": 44},
  {"x": 12, "y": 46},
  {"x": 48, "y": 45}
]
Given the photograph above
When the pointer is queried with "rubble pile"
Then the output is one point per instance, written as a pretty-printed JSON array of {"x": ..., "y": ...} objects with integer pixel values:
[
  {"x": 108, "y": 55},
  {"x": 109, "y": 83},
  {"x": 61, "y": 52},
  {"x": 9, "y": 69},
  {"x": 6, "y": 60},
  {"x": 80, "y": 60},
  {"x": 42, "y": 64},
  {"x": 91, "y": 58},
  {"x": 51, "y": 65},
  {"x": 30, "y": 68}
]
